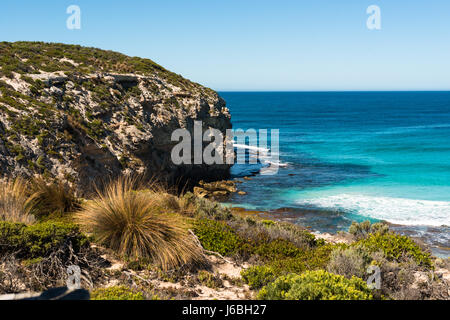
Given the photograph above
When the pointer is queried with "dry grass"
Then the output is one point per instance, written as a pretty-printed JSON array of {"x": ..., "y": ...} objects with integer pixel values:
[
  {"x": 166, "y": 201},
  {"x": 15, "y": 203},
  {"x": 52, "y": 197},
  {"x": 134, "y": 225}
]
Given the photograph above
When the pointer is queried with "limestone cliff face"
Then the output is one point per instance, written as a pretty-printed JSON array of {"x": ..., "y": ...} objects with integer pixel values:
[{"x": 82, "y": 113}]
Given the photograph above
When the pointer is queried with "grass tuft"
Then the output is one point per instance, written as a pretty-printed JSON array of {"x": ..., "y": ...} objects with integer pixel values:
[
  {"x": 134, "y": 225},
  {"x": 15, "y": 202},
  {"x": 54, "y": 197}
]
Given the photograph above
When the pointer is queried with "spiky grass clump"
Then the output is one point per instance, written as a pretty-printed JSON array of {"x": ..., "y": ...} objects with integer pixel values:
[
  {"x": 15, "y": 203},
  {"x": 133, "y": 225},
  {"x": 52, "y": 197}
]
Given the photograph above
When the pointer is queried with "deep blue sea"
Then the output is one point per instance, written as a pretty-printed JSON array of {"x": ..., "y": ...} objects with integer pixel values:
[{"x": 353, "y": 156}]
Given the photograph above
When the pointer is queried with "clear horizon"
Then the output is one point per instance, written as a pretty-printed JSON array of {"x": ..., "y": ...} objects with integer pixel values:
[
  {"x": 331, "y": 91},
  {"x": 289, "y": 46}
]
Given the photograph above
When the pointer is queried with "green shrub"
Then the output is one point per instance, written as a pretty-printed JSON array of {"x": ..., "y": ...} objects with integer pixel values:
[
  {"x": 258, "y": 276},
  {"x": 364, "y": 229},
  {"x": 268, "y": 223},
  {"x": 310, "y": 259},
  {"x": 10, "y": 235},
  {"x": 348, "y": 262},
  {"x": 277, "y": 249},
  {"x": 204, "y": 208},
  {"x": 300, "y": 235},
  {"x": 116, "y": 293},
  {"x": 259, "y": 231},
  {"x": 217, "y": 236},
  {"x": 282, "y": 259},
  {"x": 139, "y": 264},
  {"x": 210, "y": 280},
  {"x": 38, "y": 240},
  {"x": 316, "y": 285},
  {"x": 396, "y": 248},
  {"x": 280, "y": 255}
]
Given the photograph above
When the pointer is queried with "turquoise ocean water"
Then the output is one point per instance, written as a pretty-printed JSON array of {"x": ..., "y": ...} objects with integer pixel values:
[{"x": 353, "y": 156}]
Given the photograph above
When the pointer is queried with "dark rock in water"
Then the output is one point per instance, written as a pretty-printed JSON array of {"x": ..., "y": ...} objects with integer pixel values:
[
  {"x": 62, "y": 293},
  {"x": 218, "y": 190},
  {"x": 228, "y": 186}
]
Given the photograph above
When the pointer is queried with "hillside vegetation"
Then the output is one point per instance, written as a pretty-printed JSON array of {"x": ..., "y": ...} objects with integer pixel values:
[{"x": 81, "y": 113}]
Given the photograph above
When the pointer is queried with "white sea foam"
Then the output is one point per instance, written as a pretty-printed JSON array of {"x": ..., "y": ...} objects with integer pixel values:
[
  {"x": 394, "y": 210},
  {"x": 254, "y": 148},
  {"x": 277, "y": 163},
  {"x": 262, "y": 154}
]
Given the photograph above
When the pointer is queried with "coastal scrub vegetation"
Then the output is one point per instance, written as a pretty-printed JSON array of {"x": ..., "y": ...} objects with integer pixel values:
[
  {"x": 37, "y": 240},
  {"x": 349, "y": 262},
  {"x": 157, "y": 234},
  {"x": 217, "y": 236},
  {"x": 396, "y": 248},
  {"x": 116, "y": 293},
  {"x": 316, "y": 285},
  {"x": 363, "y": 229},
  {"x": 400, "y": 259}
]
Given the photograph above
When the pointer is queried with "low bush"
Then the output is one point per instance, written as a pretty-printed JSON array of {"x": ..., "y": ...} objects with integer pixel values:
[
  {"x": 309, "y": 259},
  {"x": 283, "y": 256},
  {"x": 259, "y": 230},
  {"x": 283, "y": 259},
  {"x": 364, "y": 229},
  {"x": 396, "y": 248},
  {"x": 203, "y": 208},
  {"x": 297, "y": 235},
  {"x": 166, "y": 201},
  {"x": 258, "y": 276},
  {"x": 217, "y": 236},
  {"x": 349, "y": 262},
  {"x": 38, "y": 240},
  {"x": 116, "y": 293},
  {"x": 277, "y": 249},
  {"x": 315, "y": 285},
  {"x": 268, "y": 223},
  {"x": 209, "y": 279}
]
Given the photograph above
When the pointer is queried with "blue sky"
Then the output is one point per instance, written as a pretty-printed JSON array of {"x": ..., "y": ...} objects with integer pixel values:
[{"x": 258, "y": 45}]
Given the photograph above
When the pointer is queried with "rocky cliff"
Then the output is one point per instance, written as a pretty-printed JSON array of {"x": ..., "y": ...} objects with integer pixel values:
[{"x": 82, "y": 113}]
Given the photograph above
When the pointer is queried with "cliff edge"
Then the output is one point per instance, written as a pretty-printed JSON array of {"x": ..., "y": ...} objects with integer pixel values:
[{"x": 82, "y": 113}]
